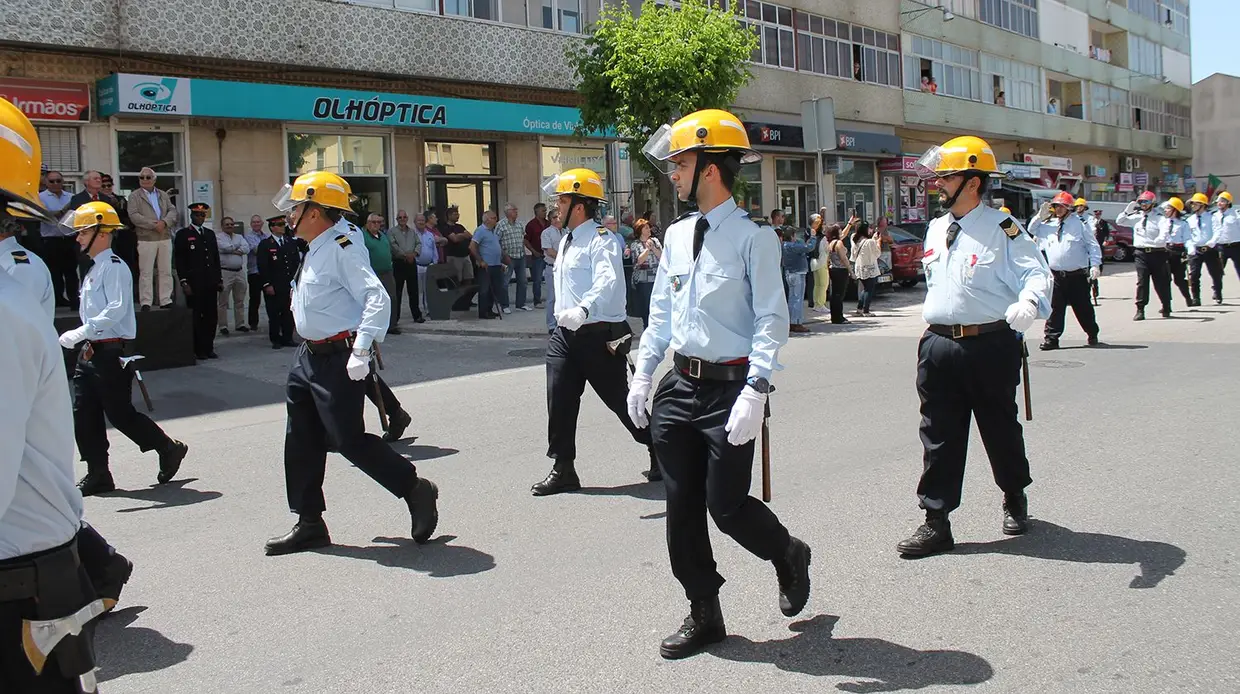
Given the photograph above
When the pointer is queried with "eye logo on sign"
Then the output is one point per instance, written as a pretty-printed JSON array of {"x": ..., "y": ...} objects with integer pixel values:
[{"x": 155, "y": 97}]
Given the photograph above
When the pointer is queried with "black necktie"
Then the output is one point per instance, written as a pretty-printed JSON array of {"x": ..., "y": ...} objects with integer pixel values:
[
  {"x": 699, "y": 235},
  {"x": 1059, "y": 234},
  {"x": 952, "y": 232}
]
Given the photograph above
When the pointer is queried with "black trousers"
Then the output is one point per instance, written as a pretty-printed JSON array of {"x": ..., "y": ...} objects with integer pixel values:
[
  {"x": 1177, "y": 267},
  {"x": 839, "y": 285},
  {"x": 1071, "y": 289},
  {"x": 390, "y": 404},
  {"x": 1230, "y": 252},
  {"x": 575, "y": 358},
  {"x": 255, "y": 283},
  {"x": 703, "y": 473},
  {"x": 101, "y": 388},
  {"x": 325, "y": 411},
  {"x": 955, "y": 379},
  {"x": 279, "y": 317},
  {"x": 1152, "y": 265},
  {"x": 61, "y": 257},
  {"x": 202, "y": 303},
  {"x": 406, "y": 275},
  {"x": 1210, "y": 258},
  {"x": 70, "y": 591}
]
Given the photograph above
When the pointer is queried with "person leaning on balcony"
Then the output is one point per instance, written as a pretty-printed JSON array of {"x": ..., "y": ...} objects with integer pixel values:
[{"x": 152, "y": 214}]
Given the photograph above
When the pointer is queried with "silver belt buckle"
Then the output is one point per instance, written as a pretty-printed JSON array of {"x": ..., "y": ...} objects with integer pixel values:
[
  {"x": 957, "y": 332},
  {"x": 695, "y": 367}
]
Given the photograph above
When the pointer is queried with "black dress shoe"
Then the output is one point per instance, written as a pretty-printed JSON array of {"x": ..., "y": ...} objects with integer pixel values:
[
  {"x": 170, "y": 461},
  {"x": 397, "y": 426},
  {"x": 145, "y": 307},
  {"x": 1048, "y": 345},
  {"x": 793, "y": 572},
  {"x": 166, "y": 306},
  {"x": 1165, "y": 313},
  {"x": 224, "y": 331},
  {"x": 288, "y": 343},
  {"x": 304, "y": 535},
  {"x": 419, "y": 319},
  {"x": 934, "y": 536},
  {"x": 423, "y": 509},
  {"x": 654, "y": 474},
  {"x": 393, "y": 331},
  {"x": 254, "y": 326},
  {"x": 114, "y": 578},
  {"x": 212, "y": 355},
  {"x": 1092, "y": 341},
  {"x": 1140, "y": 314},
  {"x": 242, "y": 329},
  {"x": 562, "y": 478},
  {"x": 702, "y": 627},
  {"x": 276, "y": 345},
  {"x": 96, "y": 483},
  {"x": 1015, "y": 514}
]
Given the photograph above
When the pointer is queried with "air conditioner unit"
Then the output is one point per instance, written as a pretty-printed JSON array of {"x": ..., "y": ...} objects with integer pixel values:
[
  {"x": 1171, "y": 142},
  {"x": 1091, "y": 171}
]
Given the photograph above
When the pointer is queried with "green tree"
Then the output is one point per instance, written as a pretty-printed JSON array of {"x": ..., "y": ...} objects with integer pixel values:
[{"x": 636, "y": 73}]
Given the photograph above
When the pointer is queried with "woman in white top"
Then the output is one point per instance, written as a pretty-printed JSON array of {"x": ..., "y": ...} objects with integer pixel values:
[
  {"x": 646, "y": 251},
  {"x": 864, "y": 257}
]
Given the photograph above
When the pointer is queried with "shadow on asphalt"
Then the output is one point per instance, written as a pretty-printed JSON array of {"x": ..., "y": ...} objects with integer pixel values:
[
  {"x": 169, "y": 495},
  {"x": 1045, "y": 540},
  {"x": 650, "y": 491},
  {"x": 437, "y": 558},
  {"x": 122, "y": 649},
  {"x": 886, "y": 666},
  {"x": 1105, "y": 346},
  {"x": 416, "y": 452}
]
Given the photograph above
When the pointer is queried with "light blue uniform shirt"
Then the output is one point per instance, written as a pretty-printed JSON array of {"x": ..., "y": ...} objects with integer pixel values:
[
  {"x": 1200, "y": 232},
  {"x": 590, "y": 273},
  {"x": 1175, "y": 231},
  {"x": 338, "y": 292},
  {"x": 983, "y": 273},
  {"x": 1070, "y": 247},
  {"x": 489, "y": 248},
  {"x": 727, "y": 304},
  {"x": 40, "y": 506},
  {"x": 29, "y": 269},
  {"x": 1226, "y": 227},
  {"x": 107, "y": 299},
  {"x": 1146, "y": 228}
]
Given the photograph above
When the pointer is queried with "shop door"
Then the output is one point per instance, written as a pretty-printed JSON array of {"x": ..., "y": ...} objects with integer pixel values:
[
  {"x": 788, "y": 203},
  {"x": 471, "y": 197}
]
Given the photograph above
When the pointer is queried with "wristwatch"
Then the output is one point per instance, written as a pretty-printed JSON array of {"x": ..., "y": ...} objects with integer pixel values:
[
  {"x": 759, "y": 384},
  {"x": 363, "y": 353}
]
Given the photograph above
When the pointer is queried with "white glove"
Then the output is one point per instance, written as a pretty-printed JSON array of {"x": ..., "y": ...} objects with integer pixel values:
[
  {"x": 571, "y": 319},
  {"x": 745, "y": 420},
  {"x": 70, "y": 338},
  {"x": 1132, "y": 207},
  {"x": 1044, "y": 212},
  {"x": 1021, "y": 315},
  {"x": 358, "y": 367},
  {"x": 639, "y": 390},
  {"x": 1094, "y": 273}
]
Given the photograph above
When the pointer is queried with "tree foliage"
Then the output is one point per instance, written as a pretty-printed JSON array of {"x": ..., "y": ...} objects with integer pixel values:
[{"x": 636, "y": 73}]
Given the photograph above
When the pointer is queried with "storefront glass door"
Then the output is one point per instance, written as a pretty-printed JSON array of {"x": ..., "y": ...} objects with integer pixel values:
[
  {"x": 361, "y": 160},
  {"x": 471, "y": 197}
]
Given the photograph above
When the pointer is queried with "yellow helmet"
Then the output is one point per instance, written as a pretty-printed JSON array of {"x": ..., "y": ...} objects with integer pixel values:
[
  {"x": 319, "y": 187},
  {"x": 709, "y": 130},
  {"x": 1080, "y": 202},
  {"x": 957, "y": 155},
  {"x": 21, "y": 157},
  {"x": 1200, "y": 198},
  {"x": 583, "y": 182},
  {"x": 93, "y": 214},
  {"x": 1005, "y": 210},
  {"x": 1223, "y": 196},
  {"x": 1176, "y": 204}
]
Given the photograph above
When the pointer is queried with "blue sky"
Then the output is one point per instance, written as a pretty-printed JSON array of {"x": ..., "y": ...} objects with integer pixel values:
[{"x": 1214, "y": 37}]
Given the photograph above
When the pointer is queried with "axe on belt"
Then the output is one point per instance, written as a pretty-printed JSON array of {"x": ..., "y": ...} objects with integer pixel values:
[
  {"x": 39, "y": 637},
  {"x": 146, "y": 397},
  {"x": 766, "y": 448},
  {"x": 623, "y": 346},
  {"x": 1024, "y": 372},
  {"x": 377, "y": 364}
]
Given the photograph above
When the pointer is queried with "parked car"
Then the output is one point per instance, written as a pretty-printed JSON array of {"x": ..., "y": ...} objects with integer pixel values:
[
  {"x": 906, "y": 252},
  {"x": 1118, "y": 246}
]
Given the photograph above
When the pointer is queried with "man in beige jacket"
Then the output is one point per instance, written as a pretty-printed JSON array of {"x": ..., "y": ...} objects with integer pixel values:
[{"x": 153, "y": 218}]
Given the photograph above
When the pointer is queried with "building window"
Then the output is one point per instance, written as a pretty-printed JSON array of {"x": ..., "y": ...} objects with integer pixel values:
[
  {"x": 1175, "y": 12},
  {"x": 1017, "y": 16},
  {"x": 1145, "y": 8},
  {"x": 360, "y": 159},
  {"x": 1144, "y": 56},
  {"x": 60, "y": 148},
  {"x": 953, "y": 68},
  {"x": 159, "y": 150},
  {"x": 828, "y": 47},
  {"x": 417, "y": 5},
  {"x": 1017, "y": 82},
  {"x": 773, "y": 26},
  {"x": 478, "y": 9},
  {"x": 1158, "y": 116},
  {"x": 751, "y": 198},
  {"x": 562, "y": 15},
  {"x": 458, "y": 174},
  {"x": 1110, "y": 106}
]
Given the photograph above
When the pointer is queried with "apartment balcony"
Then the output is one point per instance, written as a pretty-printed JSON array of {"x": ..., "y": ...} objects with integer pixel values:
[
  {"x": 949, "y": 114},
  {"x": 307, "y": 34}
]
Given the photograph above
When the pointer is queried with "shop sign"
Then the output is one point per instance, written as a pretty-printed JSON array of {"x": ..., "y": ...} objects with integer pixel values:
[
  {"x": 1048, "y": 162},
  {"x": 901, "y": 164},
  {"x": 775, "y": 135},
  {"x": 850, "y": 141},
  {"x": 46, "y": 100},
  {"x": 181, "y": 96},
  {"x": 1141, "y": 179},
  {"x": 1021, "y": 171},
  {"x": 1125, "y": 183}
]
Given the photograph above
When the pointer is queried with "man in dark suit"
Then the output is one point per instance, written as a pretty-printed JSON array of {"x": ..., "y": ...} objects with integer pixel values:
[
  {"x": 124, "y": 241},
  {"x": 196, "y": 258},
  {"x": 278, "y": 257}
]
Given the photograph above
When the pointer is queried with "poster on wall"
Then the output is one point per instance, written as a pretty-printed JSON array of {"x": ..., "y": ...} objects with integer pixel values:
[{"x": 204, "y": 191}]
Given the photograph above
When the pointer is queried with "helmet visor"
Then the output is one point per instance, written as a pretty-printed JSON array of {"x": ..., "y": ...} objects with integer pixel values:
[
  {"x": 69, "y": 224},
  {"x": 549, "y": 187},
  {"x": 283, "y": 200},
  {"x": 658, "y": 149},
  {"x": 927, "y": 166},
  {"x": 24, "y": 209}
]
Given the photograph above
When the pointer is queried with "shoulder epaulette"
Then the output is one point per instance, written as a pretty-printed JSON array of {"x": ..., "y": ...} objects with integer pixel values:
[
  {"x": 1010, "y": 228},
  {"x": 344, "y": 241},
  {"x": 21, "y": 257},
  {"x": 117, "y": 260},
  {"x": 602, "y": 231},
  {"x": 686, "y": 215}
]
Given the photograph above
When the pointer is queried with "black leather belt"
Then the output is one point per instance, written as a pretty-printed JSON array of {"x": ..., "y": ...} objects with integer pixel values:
[
  {"x": 19, "y": 576},
  {"x": 1069, "y": 273},
  {"x": 1152, "y": 250},
  {"x": 1175, "y": 246},
  {"x": 710, "y": 370},
  {"x": 957, "y": 332}
]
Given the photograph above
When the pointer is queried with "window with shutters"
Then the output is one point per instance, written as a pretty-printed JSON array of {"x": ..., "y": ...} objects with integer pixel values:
[{"x": 60, "y": 148}]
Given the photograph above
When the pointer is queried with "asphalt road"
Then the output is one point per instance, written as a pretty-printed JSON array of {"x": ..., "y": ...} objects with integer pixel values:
[{"x": 1127, "y": 583}]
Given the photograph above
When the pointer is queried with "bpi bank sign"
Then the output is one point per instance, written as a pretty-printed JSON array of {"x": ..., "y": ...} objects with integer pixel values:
[{"x": 147, "y": 94}]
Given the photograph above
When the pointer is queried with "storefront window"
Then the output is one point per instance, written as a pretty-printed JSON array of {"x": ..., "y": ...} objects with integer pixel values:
[
  {"x": 855, "y": 190},
  {"x": 557, "y": 160},
  {"x": 359, "y": 159},
  {"x": 749, "y": 189},
  {"x": 793, "y": 169},
  {"x": 157, "y": 150},
  {"x": 60, "y": 148},
  {"x": 460, "y": 174}
]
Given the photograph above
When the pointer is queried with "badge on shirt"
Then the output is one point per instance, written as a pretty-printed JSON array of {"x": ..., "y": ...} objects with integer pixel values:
[
  {"x": 676, "y": 284},
  {"x": 971, "y": 267}
]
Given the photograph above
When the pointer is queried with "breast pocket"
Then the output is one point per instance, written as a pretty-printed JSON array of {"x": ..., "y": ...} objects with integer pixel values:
[
  {"x": 678, "y": 277},
  {"x": 978, "y": 268},
  {"x": 312, "y": 286},
  {"x": 932, "y": 265},
  {"x": 714, "y": 274}
]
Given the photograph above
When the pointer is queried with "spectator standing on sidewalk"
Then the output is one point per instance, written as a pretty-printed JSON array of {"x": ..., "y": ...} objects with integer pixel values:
[
  {"x": 819, "y": 264},
  {"x": 430, "y": 251},
  {"x": 380, "y": 250},
  {"x": 254, "y": 236},
  {"x": 839, "y": 270},
  {"x": 406, "y": 245},
  {"x": 488, "y": 252},
  {"x": 550, "y": 243},
  {"x": 533, "y": 244},
  {"x": 796, "y": 266},
  {"x": 646, "y": 251},
  {"x": 59, "y": 252},
  {"x": 512, "y": 240},
  {"x": 865, "y": 253},
  {"x": 233, "y": 252},
  {"x": 153, "y": 215}
]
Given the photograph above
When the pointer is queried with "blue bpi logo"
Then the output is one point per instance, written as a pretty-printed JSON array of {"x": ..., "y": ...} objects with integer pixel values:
[{"x": 154, "y": 97}]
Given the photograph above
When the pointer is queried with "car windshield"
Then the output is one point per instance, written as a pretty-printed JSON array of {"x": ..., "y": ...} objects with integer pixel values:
[{"x": 899, "y": 235}]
